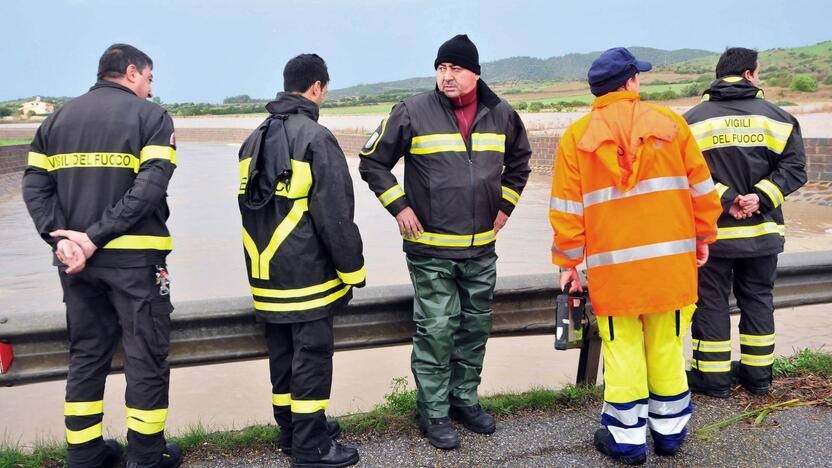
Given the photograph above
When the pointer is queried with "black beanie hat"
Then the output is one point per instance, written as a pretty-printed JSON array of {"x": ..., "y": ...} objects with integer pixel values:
[{"x": 459, "y": 50}]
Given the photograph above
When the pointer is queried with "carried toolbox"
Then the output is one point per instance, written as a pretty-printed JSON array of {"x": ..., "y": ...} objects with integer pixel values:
[{"x": 571, "y": 321}]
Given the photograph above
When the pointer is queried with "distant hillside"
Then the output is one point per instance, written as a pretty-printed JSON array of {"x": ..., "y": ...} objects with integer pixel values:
[
  {"x": 570, "y": 66},
  {"x": 813, "y": 60}
]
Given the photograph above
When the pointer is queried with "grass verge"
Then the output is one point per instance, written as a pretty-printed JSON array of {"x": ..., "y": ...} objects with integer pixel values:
[{"x": 396, "y": 415}]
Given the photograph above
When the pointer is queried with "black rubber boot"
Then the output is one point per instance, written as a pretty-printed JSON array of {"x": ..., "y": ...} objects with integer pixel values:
[
  {"x": 737, "y": 377},
  {"x": 696, "y": 386},
  {"x": 112, "y": 453},
  {"x": 602, "y": 436},
  {"x": 338, "y": 455},
  {"x": 333, "y": 430},
  {"x": 439, "y": 431},
  {"x": 171, "y": 458},
  {"x": 474, "y": 418}
]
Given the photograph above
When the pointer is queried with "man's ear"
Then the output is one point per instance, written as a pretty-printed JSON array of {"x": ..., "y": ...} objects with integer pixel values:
[
  {"x": 747, "y": 75},
  {"x": 130, "y": 72}
]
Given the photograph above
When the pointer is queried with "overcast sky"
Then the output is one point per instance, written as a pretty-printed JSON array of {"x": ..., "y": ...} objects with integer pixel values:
[{"x": 205, "y": 50}]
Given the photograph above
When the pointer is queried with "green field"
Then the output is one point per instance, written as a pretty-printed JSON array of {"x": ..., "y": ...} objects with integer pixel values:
[
  {"x": 587, "y": 98},
  {"x": 383, "y": 108},
  {"x": 17, "y": 141}
]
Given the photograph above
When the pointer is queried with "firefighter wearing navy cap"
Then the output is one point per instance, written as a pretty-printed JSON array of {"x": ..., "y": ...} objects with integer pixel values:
[
  {"x": 466, "y": 163},
  {"x": 626, "y": 165}
]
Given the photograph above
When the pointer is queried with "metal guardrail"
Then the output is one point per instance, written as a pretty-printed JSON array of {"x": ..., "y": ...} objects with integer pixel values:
[{"x": 225, "y": 330}]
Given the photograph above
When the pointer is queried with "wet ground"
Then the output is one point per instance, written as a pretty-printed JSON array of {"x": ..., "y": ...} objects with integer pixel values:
[{"x": 207, "y": 261}]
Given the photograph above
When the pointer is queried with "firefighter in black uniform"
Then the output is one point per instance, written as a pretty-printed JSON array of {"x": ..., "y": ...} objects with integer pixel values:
[
  {"x": 95, "y": 186},
  {"x": 304, "y": 255},
  {"x": 756, "y": 156}
]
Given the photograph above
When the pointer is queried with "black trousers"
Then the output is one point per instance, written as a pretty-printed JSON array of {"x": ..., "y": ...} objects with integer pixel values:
[
  {"x": 300, "y": 363},
  {"x": 752, "y": 280},
  {"x": 105, "y": 306}
]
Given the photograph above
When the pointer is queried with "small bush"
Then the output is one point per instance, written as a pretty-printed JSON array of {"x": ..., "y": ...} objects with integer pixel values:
[
  {"x": 804, "y": 83},
  {"x": 535, "y": 107}
]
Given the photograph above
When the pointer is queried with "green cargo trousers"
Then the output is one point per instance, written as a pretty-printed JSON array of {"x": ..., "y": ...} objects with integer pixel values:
[{"x": 452, "y": 311}]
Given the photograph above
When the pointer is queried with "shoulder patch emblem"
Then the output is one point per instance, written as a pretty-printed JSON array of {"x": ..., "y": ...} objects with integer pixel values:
[{"x": 371, "y": 140}]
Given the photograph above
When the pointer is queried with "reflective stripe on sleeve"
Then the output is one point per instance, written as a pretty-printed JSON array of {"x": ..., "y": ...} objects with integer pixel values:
[
  {"x": 157, "y": 152},
  {"x": 353, "y": 277},
  {"x": 566, "y": 206},
  {"x": 510, "y": 195},
  {"x": 702, "y": 188},
  {"x": 390, "y": 195},
  {"x": 772, "y": 191}
]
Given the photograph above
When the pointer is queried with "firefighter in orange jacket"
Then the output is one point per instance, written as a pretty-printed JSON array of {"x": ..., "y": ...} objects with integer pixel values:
[{"x": 633, "y": 198}]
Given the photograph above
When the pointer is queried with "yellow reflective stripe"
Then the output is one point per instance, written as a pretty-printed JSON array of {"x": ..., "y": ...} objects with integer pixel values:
[
  {"x": 299, "y": 184},
  {"x": 281, "y": 399},
  {"x": 757, "y": 340},
  {"x": 453, "y": 240},
  {"x": 253, "y": 253},
  {"x": 484, "y": 238},
  {"x": 244, "y": 165},
  {"x": 88, "y": 160},
  {"x": 510, "y": 195},
  {"x": 743, "y": 232},
  {"x": 146, "y": 421},
  {"x": 437, "y": 143},
  {"x": 732, "y": 79},
  {"x": 742, "y": 130},
  {"x": 260, "y": 260},
  {"x": 711, "y": 366},
  {"x": 84, "y": 435},
  {"x": 141, "y": 243},
  {"x": 390, "y": 195},
  {"x": 488, "y": 142},
  {"x": 353, "y": 277},
  {"x": 711, "y": 346},
  {"x": 299, "y": 292},
  {"x": 377, "y": 136},
  {"x": 83, "y": 408},
  {"x": 772, "y": 190},
  {"x": 143, "y": 427},
  {"x": 757, "y": 361},
  {"x": 38, "y": 160},
  {"x": 157, "y": 152},
  {"x": 309, "y": 406},
  {"x": 720, "y": 188},
  {"x": 299, "y": 306}
]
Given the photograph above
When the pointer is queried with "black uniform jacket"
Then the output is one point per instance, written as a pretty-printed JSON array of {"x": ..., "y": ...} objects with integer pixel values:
[
  {"x": 455, "y": 189},
  {"x": 101, "y": 165},
  {"x": 303, "y": 250},
  {"x": 751, "y": 146}
]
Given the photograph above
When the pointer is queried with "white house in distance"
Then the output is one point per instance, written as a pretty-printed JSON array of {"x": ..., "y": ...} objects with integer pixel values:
[{"x": 38, "y": 107}]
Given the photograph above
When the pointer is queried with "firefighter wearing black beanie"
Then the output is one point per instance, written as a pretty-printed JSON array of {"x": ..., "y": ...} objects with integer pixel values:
[{"x": 459, "y": 50}]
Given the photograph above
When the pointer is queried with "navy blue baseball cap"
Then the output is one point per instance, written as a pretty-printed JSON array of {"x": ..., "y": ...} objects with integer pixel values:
[{"x": 612, "y": 69}]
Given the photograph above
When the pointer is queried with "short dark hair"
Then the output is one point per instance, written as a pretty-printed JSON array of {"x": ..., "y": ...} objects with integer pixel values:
[
  {"x": 303, "y": 71},
  {"x": 735, "y": 61},
  {"x": 116, "y": 59}
]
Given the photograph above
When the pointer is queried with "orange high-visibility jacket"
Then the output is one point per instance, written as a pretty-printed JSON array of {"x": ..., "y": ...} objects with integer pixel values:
[{"x": 632, "y": 195}]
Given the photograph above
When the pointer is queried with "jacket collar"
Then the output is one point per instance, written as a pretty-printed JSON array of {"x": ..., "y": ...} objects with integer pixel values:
[
  {"x": 291, "y": 103},
  {"x": 109, "y": 84},
  {"x": 732, "y": 87},
  {"x": 619, "y": 127}
]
